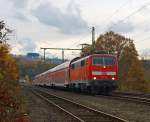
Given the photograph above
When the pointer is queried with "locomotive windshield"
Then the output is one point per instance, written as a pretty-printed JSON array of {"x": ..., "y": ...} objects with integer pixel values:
[{"x": 103, "y": 60}]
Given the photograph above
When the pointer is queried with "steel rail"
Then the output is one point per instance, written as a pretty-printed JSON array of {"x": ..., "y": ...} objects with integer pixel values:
[
  {"x": 98, "y": 113},
  {"x": 143, "y": 95},
  {"x": 55, "y": 105},
  {"x": 137, "y": 99},
  {"x": 131, "y": 98}
]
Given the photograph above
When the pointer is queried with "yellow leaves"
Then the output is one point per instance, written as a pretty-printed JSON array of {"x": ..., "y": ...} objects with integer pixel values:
[
  {"x": 8, "y": 66},
  {"x": 136, "y": 77},
  {"x": 1, "y": 76},
  {"x": 9, "y": 74},
  {"x": 8, "y": 77},
  {"x": 4, "y": 49}
]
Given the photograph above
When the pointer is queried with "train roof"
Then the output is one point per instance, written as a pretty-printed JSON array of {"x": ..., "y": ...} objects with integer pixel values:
[
  {"x": 59, "y": 67},
  {"x": 83, "y": 58},
  {"x": 103, "y": 55}
]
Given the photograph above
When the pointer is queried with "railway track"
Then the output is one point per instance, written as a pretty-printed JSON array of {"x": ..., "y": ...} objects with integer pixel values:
[
  {"x": 143, "y": 95},
  {"x": 79, "y": 112},
  {"x": 132, "y": 97},
  {"x": 137, "y": 98}
]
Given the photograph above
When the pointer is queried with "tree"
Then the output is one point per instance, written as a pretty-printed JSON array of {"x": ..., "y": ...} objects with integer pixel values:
[
  {"x": 146, "y": 65},
  {"x": 9, "y": 76},
  {"x": 4, "y": 31},
  {"x": 32, "y": 68},
  {"x": 136, "y": 78}
]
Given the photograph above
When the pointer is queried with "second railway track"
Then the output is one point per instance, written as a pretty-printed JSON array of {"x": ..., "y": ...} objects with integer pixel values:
[
  {"x": 132, "y": 98},
  {"x": 75, "y": 110}
]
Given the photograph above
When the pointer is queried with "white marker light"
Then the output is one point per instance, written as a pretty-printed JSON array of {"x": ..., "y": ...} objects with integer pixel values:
[
  {"x": 94, "y": 78},
  {"x": 113, "y": 78}
]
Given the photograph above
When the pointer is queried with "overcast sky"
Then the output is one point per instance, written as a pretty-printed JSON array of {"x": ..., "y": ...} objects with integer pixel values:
[{"x": 67, "y": 23}]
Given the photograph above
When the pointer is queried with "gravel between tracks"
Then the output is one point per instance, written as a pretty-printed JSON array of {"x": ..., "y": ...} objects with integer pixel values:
[
  {"x": 40, "y": 111},
  {"x": 128, "y": 110}
]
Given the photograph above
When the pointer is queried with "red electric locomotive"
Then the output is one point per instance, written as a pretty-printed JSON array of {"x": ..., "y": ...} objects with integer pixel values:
[{"x": 96, "y": 73}]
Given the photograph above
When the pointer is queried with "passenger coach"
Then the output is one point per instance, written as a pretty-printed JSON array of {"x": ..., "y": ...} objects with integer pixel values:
[{"x": 97, "y": 73}]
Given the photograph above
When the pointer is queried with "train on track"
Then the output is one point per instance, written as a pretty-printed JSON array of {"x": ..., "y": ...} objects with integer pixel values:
[{"x": 95, "y": 73}]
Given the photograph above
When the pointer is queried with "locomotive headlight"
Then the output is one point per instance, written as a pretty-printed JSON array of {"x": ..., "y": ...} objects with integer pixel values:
[
  {"x": 94, "y": 78},
  {"x": 113, "y": 78}
]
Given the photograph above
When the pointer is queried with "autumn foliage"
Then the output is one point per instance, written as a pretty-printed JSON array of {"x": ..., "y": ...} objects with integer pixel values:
[
  {"x": 29, "y": 69},
  {"x": 9, "y": 87}
]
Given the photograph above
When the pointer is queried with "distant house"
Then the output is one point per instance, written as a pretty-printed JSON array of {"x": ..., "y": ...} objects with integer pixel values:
[
  {"x": 29, "y": 56},
  {"x": 33, "y": 55}
]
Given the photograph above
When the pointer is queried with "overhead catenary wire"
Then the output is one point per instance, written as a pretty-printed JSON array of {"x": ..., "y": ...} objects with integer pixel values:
[
  {"x": 130, "y": 15},
  {"x": 137, "y": 34},
  {"x": 145, "y": 39},
  {"x": 115, "y": 12}
]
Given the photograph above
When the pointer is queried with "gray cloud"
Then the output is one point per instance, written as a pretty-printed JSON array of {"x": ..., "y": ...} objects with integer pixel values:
[
  {"x": 19, "y": 9},
  {"x": 19, "y": 3},
  {"x": 145, "y": 52},
  {"x": 124, "y": 27},
  {"x": 69, "y": 22},
  {"x": 27, "y": 45},
  {"x": 21, "y": 16}
]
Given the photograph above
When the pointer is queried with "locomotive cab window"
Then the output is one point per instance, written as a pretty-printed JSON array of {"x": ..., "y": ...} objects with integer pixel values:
[
  {"x": 97, "y": 60},
  {"x": 109, "y": 61},
  {"x": 72, "y": 66},
  {"x": 103, "y": 61}
]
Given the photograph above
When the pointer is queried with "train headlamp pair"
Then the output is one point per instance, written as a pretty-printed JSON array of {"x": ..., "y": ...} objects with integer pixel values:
[{"x": 94, "y": 78}]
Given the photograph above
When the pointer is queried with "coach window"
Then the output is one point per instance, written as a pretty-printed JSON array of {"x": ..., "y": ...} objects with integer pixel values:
[
  {"x": 77, "y": 65},
  {"x": 72, "y": 66},
  {"x": 82, "y": 63}
]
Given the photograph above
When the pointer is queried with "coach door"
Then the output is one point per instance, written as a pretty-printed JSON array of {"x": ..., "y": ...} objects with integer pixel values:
[{"x": 66, "y": 76}]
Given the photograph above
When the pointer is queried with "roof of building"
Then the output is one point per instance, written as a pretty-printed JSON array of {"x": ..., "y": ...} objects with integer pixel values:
[{"x": 33, "y": 54}]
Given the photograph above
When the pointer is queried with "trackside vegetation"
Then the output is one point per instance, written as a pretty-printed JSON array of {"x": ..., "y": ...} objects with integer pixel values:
[
  {"x": 29, "y": 69},
  {"x": 9, "y": 87}
]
